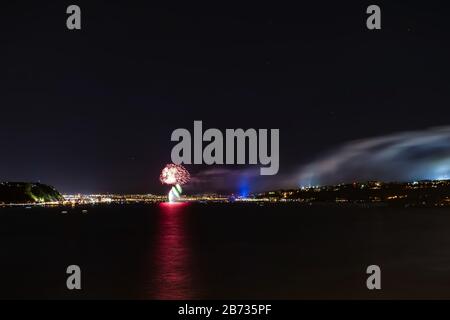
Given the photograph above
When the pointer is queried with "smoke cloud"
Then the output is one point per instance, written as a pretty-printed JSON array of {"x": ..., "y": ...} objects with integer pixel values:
[{"x": 405, "y": 156}]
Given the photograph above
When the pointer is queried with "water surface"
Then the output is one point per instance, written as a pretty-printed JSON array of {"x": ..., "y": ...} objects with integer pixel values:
[{"x": 215, "y": 251}]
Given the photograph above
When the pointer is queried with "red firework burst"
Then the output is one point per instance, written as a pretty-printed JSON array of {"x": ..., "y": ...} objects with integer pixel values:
[{"x": 174, "y": 174}]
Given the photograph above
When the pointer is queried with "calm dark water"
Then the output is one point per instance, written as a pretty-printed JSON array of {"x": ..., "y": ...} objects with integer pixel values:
[{"x": 214, "y": 251}]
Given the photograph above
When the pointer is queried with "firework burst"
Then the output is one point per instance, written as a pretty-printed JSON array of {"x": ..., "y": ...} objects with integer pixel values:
[{"x": 174, "y": 174}]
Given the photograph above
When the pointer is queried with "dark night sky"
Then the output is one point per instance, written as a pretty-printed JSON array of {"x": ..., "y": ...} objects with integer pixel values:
[{"x": 93, "y": 110}]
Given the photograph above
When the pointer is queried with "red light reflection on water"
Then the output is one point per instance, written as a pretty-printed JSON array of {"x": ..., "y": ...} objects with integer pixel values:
[{"x": 173, "y": 257}]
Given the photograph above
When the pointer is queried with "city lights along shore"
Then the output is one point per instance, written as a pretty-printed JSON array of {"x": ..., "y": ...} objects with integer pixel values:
[{"x": 424, "y": 193}]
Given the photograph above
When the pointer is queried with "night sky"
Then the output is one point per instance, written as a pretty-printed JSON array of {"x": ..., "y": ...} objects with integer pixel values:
[{"x": 93, "y": 110}]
